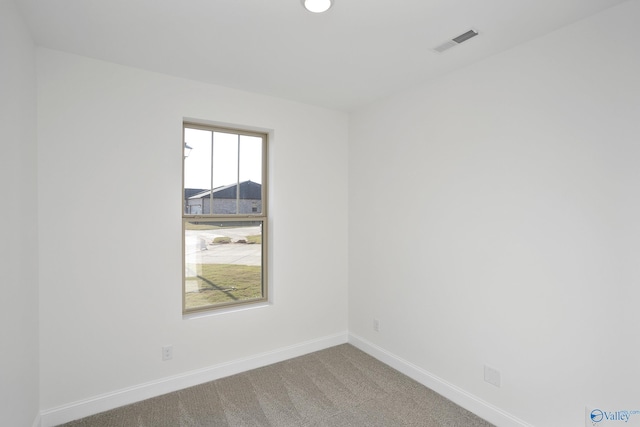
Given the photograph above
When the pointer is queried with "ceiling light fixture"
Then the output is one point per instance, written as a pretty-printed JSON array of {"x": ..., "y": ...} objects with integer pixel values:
[{"x": 317, "y": 6}]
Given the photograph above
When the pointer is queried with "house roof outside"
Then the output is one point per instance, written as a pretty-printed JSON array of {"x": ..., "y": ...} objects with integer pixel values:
[
  {"x": 248, "y": 190},
  {"x": 188, "y": 192}
]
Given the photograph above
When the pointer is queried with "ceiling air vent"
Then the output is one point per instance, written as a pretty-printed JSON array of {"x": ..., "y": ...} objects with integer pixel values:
[{"x": 455, "y": 41}]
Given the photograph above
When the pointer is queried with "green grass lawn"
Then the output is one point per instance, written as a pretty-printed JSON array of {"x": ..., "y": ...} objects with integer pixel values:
[
  {"x": 223, "y": 283},
  {"x": 200, "y": 226},
  {"x": 257, "y": 239}
]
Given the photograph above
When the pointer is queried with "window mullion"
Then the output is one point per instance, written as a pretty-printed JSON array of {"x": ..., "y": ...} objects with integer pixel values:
[
  {"x": 238, "y": 179},
  {"x": 211, "y": 183}
]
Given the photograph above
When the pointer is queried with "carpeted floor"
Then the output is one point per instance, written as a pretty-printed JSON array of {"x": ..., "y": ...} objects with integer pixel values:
[{"x": 337, "y": 387}]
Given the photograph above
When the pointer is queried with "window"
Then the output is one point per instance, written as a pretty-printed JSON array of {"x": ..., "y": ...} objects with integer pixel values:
[{"x": 224, "y": 217}]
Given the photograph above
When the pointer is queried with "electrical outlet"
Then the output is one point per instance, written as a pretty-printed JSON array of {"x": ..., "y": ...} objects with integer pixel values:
[
  {"x": 492, "y": 376},
  {"x": 376, "y": 325},
  {"x": 167, "y": 352}
]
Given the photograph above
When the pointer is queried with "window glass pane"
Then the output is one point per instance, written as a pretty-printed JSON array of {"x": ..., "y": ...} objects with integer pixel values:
[
  {"x": 223, "y": 262},
  {"x": 197, "y": 171},
  {"x": 250, "y": 164},
  {"x": 225, "y": 172}
]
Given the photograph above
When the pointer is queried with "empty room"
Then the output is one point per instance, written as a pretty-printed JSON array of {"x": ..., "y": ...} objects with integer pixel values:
[{"x": 428, "y": 212}]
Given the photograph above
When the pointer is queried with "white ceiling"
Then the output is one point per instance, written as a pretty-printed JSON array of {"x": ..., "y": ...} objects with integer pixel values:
[{"x": 357, "y": 52}]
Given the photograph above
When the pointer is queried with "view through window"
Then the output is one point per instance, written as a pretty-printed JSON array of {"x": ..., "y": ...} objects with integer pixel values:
[{"x": 224, "y": 217}]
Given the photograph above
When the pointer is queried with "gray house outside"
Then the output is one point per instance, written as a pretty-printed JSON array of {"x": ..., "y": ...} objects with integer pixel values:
[{"x": 225, "y": 199}]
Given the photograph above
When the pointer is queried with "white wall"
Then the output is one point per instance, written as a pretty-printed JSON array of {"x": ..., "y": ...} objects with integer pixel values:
[
  {"x": 494, "y": 219},
  {"x": 110, "y": 214},
  {"x": 18, "y": 245}
]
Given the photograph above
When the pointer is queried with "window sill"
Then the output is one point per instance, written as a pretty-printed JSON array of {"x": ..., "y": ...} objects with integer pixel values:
[{"x": 222, "y": 311}]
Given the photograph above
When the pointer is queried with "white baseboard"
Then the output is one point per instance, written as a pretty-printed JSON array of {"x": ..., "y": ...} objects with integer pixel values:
[
  {"x": 37, "y": 422},
  {"x": 83, "y": 408},
  {"x": 455, "y": 394}
]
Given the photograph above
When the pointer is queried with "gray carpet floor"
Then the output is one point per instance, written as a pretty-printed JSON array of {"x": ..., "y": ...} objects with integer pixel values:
[{"x": 337, "y": 387}]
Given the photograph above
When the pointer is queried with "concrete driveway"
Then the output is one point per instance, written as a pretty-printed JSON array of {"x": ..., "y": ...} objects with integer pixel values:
[{"x": 200, "y": 249}]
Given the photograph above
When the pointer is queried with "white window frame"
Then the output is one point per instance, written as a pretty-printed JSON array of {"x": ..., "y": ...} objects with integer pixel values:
[{"x": 244, "y": 217}]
